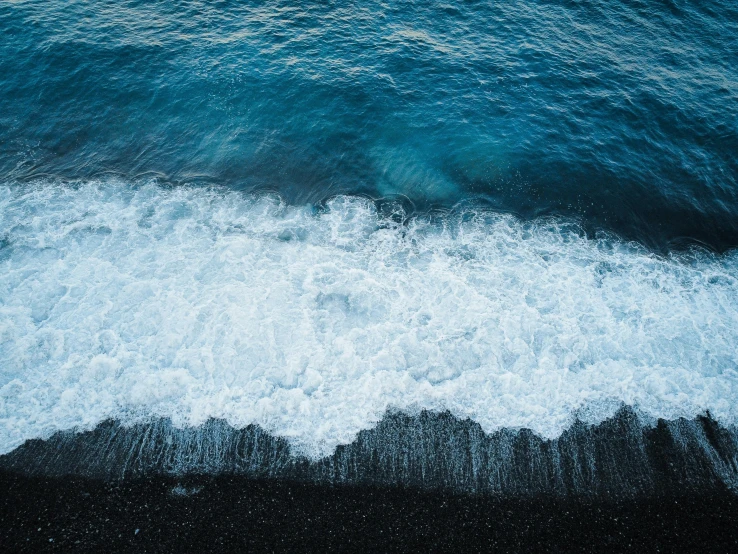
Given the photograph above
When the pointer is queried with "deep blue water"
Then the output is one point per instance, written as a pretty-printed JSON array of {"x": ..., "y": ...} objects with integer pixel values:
[{"x": 620, "y": 114}]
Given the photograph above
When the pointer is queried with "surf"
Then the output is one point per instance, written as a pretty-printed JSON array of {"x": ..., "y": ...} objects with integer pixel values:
[{"x": 135, "y": 301}]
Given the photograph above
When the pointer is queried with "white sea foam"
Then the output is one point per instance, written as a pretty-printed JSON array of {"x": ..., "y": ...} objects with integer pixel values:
[{"x": 135, "y": 301}]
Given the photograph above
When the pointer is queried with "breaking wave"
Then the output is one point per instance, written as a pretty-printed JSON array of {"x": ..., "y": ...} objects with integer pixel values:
[{"x": 134, "y": 301}]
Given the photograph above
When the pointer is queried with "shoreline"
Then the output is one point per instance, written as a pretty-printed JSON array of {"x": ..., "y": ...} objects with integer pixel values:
[{"x": 620, "y": 458}]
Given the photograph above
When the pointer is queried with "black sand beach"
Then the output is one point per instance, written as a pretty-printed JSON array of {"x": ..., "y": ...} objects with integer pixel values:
[{"x": 236, "y": 514}]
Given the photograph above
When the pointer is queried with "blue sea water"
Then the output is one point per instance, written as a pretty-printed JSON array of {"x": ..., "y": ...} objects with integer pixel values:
[
  {"x": 621, "y": 114},
  {"x": 301, "y": 214}
]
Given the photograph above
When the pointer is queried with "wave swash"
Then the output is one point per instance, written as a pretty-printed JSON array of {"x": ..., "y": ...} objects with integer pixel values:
[{"x": 137, "y": 301}]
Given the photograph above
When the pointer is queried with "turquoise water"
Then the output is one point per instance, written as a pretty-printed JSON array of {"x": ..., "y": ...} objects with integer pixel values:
[{"x": 623, "y": 115}]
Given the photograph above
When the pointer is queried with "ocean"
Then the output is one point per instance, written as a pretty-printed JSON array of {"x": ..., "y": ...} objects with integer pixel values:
[{"x": 433, "y": 228}]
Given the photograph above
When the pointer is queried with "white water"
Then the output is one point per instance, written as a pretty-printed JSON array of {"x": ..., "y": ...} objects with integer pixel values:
[{"x": 135, "y": 301}]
